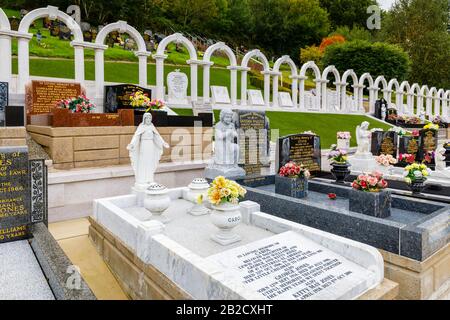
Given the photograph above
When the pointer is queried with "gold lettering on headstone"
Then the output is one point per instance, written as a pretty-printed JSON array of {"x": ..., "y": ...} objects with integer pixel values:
[
  {"x": 413, "y": 148},
  {"x": 429, "y": 143},
  {"x": 387, "y": 146}
]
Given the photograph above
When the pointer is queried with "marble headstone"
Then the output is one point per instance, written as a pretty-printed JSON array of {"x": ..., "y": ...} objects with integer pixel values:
[
  {"x": 253, "y": 128},
  {"x": 118, "y": 96},
  {"x": 255, "y": 98},
  {"x": 14, "y": 194},
  {"x": 220, "y": 95},
  {"x": 4, "y": 94},
  {"x": 177, "y": 84},
  {"x": 300, "y": 148},
  {"x": 285, "y": 100},
  {"x": 289, "y": 266}
]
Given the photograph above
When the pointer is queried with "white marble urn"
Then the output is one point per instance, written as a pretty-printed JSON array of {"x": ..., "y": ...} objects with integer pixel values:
[
  {"x": 157, "y": 199},
  {"x": 225, "y": 217},
  {"x": 198, "y": 187}
]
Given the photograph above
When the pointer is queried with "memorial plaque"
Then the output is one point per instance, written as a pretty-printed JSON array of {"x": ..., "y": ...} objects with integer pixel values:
[
  {"x": 253, "y": 130},
  {"x": 14, "y": 194},
  {"x": 220, "y": 95},
  {"x": 302, "y": 149},
  {"x": 289, "y": 266},
  {"x": 255, "y": 98},
  {"x": 384, "y": 142},
  {"x": 42, "y": 96},
  {"x": 118, "y": 97},
  {"x": 285, "y": 100},
  {"x": 177, "y": 84},
  {"x": 4, "y": 96}
]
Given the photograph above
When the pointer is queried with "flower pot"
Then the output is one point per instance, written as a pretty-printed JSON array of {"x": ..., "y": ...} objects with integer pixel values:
[
  {"x": 291, "y": 187},
  {"x": 157, "y": 199},
  {"x": 226, "y": 217},
  {"x": 340, "y": 171},
  {"x": 198, "y": 187},
  {"x": 375, "y": 204},
  {"x": 417, "y": 186}
]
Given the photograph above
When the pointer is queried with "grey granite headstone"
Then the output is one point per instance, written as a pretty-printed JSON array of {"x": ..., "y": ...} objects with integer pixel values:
[
  {"x": 14, "y": 194},
  {"x": 4, "y": 92}
]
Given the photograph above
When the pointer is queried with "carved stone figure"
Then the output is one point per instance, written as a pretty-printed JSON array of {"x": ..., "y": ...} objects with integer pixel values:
[
  {"x": 363, "y": 136},
  {"x": 146, "y": 149}
]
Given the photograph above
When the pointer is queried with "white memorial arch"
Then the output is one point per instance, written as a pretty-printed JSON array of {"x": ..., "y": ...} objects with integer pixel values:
[
  {"x": 160, "y": 56},
  {"x": 435, "y": 103},
  {"x": 5, "y": 48},
  {"x": 407, "y": 108},
  {"x": 256, "y": 53},
  {"x": 440, "y": 103},
  {"x": 350, "y": 104},
  {"x": 100, "y": 47},
  {"x": 221, "y": 46},
  {"x": 294, "y": 76},
  {"x": 398, "y": 103},
  {"x": 372, "y": 91},
  {"x": 318, "y": 80},
  {"x": 24, "y": 39},
  {"x": 425, "y": 93},
  {"x": 381, "y": 80},
  {"x": 326, "y": 103}
]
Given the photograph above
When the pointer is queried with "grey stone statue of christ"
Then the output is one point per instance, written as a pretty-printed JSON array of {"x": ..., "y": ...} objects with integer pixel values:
[{"x": 145, "y": 150}]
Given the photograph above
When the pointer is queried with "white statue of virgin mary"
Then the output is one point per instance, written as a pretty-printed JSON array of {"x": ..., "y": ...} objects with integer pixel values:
[
  {"x": 146, "y": 149},
  {"x": 363, "y": 136}
]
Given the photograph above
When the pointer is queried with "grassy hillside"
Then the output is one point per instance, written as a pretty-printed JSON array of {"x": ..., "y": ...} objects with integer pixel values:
[{"x": 325, "y": 125}]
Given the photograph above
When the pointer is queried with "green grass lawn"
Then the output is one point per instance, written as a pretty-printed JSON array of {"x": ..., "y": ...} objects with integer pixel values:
[{"x": 325, "y": 125}]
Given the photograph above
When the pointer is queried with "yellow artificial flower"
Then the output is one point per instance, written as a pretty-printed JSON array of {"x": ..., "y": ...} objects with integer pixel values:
[{"x": 425, "y": 173}]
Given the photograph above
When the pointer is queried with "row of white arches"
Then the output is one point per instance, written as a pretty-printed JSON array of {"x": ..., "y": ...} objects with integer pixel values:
[{"x": 432, "y": 101}]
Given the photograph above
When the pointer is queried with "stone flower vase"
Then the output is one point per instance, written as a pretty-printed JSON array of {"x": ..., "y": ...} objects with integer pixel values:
[
  {"x": 375, "y": 204},
  {"x": 417, "y": 186},
  {"x": 225, "y": 217},
  {"x": 340, "y": 171},
  {"x": 291, "y": 187}
]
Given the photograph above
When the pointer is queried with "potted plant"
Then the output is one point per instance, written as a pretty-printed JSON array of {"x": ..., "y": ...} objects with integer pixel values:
[
  {"x": 415, "y": 176},
  {"x": 224, "y": 196},
  {"x": 343, "y": 140},
  {"x": 292, "y": 180},
  {"x": 79, "y": 104},
  {"x": 368, "y": 195},
  {"x": 338, "y": 159}
]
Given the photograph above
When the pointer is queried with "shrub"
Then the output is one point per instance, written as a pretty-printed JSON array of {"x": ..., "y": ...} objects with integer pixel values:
[
  {"x": 328, "y": 41},
  {"x": 376, "y": 58},
  {"x": 311, "y": 53}
]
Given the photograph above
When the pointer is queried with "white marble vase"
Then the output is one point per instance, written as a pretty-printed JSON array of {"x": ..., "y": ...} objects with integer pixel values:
[{"x": 226, "y": 217}]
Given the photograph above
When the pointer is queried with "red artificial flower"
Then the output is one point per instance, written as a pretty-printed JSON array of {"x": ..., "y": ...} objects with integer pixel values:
[
  {"x": 363, "y": 184},
  {"x": 332, "y": 196},
  {"x": 355, "y": 185}
]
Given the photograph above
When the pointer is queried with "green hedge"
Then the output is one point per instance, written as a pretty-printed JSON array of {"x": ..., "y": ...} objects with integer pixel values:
[{"x": 376, "y": 58}]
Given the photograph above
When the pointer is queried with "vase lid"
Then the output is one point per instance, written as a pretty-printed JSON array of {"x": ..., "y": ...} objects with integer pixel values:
[
  {"x": 199, "y": 184},
  {"x": 156, "y": 188}
]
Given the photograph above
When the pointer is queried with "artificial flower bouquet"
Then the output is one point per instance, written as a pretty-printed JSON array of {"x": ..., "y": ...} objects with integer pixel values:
[
  {"x": 79, "y": 104},
  {"x": 292, "y": 170},
  {"x": 386, "y": 160},
  {"x": 406, "y": 158},
  {"x": 223, "y": 191},
  {"x": 139, "y": 99},
  {"x": 431, "y": 126},
  {"x": 416, "y": 171},
  {"x": 400, "y": 131},
  {"x": 372, "y": 182},
  {"x": 345, "y": 135},
  {"x": 336, "y": 155},
  {"x": 412, "y": 120}
]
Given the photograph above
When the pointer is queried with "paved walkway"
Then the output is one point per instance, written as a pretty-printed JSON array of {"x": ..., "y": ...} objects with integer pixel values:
[{"x": 73, "y": 238}]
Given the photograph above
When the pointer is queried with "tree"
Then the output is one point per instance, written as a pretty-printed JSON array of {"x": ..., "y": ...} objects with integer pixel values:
[
  {"x": 420, "y": 27},
  {"x": 347, "y": 12}
]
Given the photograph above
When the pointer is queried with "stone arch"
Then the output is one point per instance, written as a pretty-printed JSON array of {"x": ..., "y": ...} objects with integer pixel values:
[
  {"x": 354, "y": 107},
  {"x": 367, "y": 77},
  {"x": 5, "y": 48},
  {"x": 415, "y": 91},
  {"x": 221, "y": 46},
  {"x": 122, "y": 27},
  {"x": 325, "y": 81},
  {"x": 255, "y": 53},
  {"x": 316, "y": 101},
  {"x": 405, "y": 87},
  {"x": 446, "y": 105},
  {"x": 435, "y": 103},
  {"x": 382, "y": 80},
  {"x": 398, "y": 103},
  {"x": 160, "y": 56},
  {"x": 442, "y": 104},
  {"x": 276, "y": 73},
  {"x": 425, "y": 93},
  {"x": 24, "y": 39}
]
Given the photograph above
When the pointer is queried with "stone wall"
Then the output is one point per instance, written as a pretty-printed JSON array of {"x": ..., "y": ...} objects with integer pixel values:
[
  {"x": 13, "y": 136},
  {"x": 82, "y": 147}
]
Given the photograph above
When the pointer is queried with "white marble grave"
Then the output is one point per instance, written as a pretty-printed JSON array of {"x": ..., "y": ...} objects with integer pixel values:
[
  {"x": 285, "y": 100},
  {"x": 255, "y": 98},
  {"x": 177, "y": 84},
  {"x": 220, "y": 95}
]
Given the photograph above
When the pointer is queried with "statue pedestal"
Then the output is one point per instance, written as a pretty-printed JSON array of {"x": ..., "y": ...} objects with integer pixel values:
[
  {"x": 363, "y": 162},
  {"x": 233, "y": 172},
  {"x": 139, "y": 190}
]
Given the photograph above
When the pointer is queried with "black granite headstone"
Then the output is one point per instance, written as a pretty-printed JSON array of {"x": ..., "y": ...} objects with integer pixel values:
[
  {"x": 253, "y": 130},
  {"x": 118, "y": 96},
  {"x": 378, "y": 107},
  {"x": 409, "y": 145},
  {"x": 447, "y": 154},
  {"x": 384, "y": 142},
  {"x": 428, "y": 145},
  {"x": 14, "y": 116},
  {"x": 14, "y": 194},
  {"x": 4, "y": 96},
  {"x": 302, "y": 149}
]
